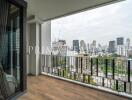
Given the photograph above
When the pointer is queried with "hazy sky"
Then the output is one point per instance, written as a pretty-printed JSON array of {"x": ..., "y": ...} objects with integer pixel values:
[{"x": 100, "y": 24}]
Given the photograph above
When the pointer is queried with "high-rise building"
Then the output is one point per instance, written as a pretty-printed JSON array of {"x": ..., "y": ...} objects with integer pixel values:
[
  {"x": 59, "y": 48},
  {"x": 94, "y": 43},
  {"x": 111, "y": 47},
  {"x": 127, "y": 47},
  {"x": 93, "y": 47},
  {"x": 85, "y": 63},
  {"x": 63, "y": 42},
  {"x": 127, "y": 43},
  {"x": 99, "y": 48},
  {"x": 88, "y": 47},
  {"x": 120, "y": 41},
  {"x": 76, "y": 45},
  {"x": 83, "y": 46},
  {"x": 120, "y": 46}
]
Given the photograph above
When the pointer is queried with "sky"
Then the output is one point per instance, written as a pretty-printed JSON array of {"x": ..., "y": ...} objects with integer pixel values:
[{"x": 101, "y": 24}]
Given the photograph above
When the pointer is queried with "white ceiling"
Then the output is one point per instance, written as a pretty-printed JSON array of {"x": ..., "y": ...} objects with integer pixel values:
[{"x": 49, "y": 9}]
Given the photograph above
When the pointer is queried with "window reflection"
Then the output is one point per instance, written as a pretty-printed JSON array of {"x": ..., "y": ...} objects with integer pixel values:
[{"x": 9, "y": 50}]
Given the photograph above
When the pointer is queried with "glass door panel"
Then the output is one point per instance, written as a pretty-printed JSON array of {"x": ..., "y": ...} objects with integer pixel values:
[{"x": 10, "y": 65}]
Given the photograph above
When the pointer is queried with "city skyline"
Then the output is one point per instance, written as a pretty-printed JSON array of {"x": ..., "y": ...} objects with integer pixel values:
[
  {"x": 118, "y": 48},
  {"x": 100, "y": 22},
  {"x": 97, "y": 43}
]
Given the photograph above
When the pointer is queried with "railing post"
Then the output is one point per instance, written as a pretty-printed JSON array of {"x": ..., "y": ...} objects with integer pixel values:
[
  {"x": 51, "y": 60},
  {"x": 58, "y": 72},
  {"x": 84, "y": 78},
  {"x": 86, "y": 62},
  {"x": 61, "y": 61},
  {"x": 129, "y": 70},
  {"x": 65, "y": 61},
  {"x": 56, "y": 61},
  {"x": 113, "y": 69},
  {"x": 46, "y": 65},
  {"x": 117, "y": 85},
  {"x": 43, "y": 60},
  {"x": 97, "y": 66},
  {"x": 48, "y": 70},
  {"x": 52, "y": 63},
  {"x": 76, "y": 62},
  {"x": 89, "y": 79},
  {"x": 124, "y": 86},
  {"x": 81, "y": 65},
  {"x": 103, "y": 81},
  {"x": 70, "y": 75},
  {"x": 106, "y": 68},
  {"x": 74, "y": 76},
  {"x": 63, "y": 73},
  {"x": 91, "y": 66}
]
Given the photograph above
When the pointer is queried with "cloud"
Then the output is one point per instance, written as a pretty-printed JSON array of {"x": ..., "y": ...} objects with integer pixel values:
[{"x": 101, "y": 24}]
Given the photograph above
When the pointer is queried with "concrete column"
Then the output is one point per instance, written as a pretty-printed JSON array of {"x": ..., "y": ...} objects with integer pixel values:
[
  {"x": 45, "y": 42},
  {"x": 33, "y": 45},
  {"x": 46, "y": 38},
  {"x": 38, "y": 43}
]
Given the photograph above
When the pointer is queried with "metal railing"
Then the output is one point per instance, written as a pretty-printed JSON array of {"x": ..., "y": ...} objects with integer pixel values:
[{"x": 112, "y": 73}]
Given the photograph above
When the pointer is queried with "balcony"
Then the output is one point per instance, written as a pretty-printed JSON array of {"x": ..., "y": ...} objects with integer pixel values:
[
  {"x": 107, "y": 74},
  {"x": 112, "y": 75},
  {"x": 47, "y": 88},
  {"x": 21, "y": 49}
]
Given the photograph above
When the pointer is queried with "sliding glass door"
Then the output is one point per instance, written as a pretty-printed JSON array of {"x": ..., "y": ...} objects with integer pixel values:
[{"x": 11, "y": 49}]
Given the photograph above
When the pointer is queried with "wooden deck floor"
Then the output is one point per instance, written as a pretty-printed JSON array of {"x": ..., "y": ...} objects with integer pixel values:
[{"x": 47, "y": 88}]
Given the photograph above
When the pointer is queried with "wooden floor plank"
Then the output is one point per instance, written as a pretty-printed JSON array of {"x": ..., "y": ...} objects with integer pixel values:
[{"x": 47, "y": 88}]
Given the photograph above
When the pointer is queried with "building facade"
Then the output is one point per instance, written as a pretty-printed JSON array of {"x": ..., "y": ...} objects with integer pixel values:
[
  {"x": 76, "y": 45},
  {"x": 111, "y": 47}
]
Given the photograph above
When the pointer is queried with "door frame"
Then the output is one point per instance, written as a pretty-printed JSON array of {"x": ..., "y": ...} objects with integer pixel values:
[{"x": 23, "y": 72}]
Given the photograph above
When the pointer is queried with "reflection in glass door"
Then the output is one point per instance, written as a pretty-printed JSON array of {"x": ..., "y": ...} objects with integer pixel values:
[
  {"x": 10, "y": 65},
  {"x": 13, "y": 53}
]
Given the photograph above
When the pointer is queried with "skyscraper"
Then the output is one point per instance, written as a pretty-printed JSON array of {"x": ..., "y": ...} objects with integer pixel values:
[
  {"x": 127, "y": 47},
  {"x": 120, "y": 41},
  {"x": 76, "y": 45},
  {"x": 59, "y": 47},
  {"x": 93, "y": 46},
  {"x": 88, "y": 47},
  {"x": 63, "y": 42},
  {"x": 127, "y": 43},
  {"x": 83, "y": 46},
  {"x": 111, "y": 47},
  {"x": 120, "y": 46},
  {"x": 94, "y": 43}
]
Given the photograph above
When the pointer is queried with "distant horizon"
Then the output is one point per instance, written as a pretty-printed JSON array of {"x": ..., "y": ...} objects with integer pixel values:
[
  {"x": 98, "y": 42},
  {"x": 102, "y": 24}
]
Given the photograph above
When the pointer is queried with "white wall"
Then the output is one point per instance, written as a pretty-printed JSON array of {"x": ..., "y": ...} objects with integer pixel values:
[
  {"x": 33, "y": 43},
  {"x": 38, "y": 39},
  {"x": 46, "y": 37}
]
